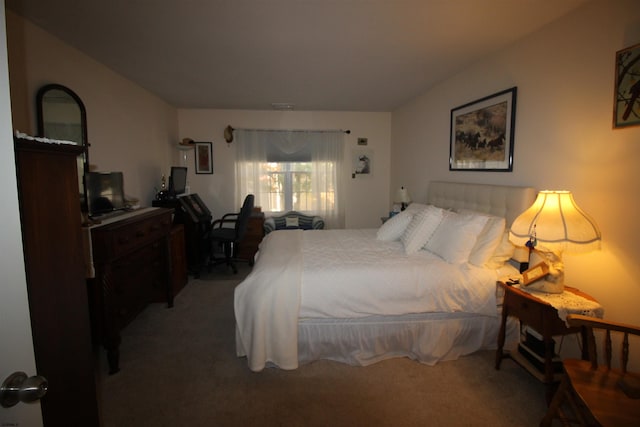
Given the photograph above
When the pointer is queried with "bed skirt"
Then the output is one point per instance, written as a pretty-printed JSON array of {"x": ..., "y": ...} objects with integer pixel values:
[{"x": 427, "y": 338}]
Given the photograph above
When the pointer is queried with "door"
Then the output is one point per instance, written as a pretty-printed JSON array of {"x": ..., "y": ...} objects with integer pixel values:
[{"x": 15, "y": 328}]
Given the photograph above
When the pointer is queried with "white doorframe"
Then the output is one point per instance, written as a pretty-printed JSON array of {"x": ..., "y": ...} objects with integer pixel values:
[{"x": 15, "y": 324}]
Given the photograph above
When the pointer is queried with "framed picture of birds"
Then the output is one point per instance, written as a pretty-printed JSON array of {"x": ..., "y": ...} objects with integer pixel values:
[{"x": 626, "y": 109}]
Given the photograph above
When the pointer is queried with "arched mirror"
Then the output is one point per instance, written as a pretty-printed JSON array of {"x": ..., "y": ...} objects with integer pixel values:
[{"x": 61, "y": 115}]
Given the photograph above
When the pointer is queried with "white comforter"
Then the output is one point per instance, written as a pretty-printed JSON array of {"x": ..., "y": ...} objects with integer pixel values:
[{"x": 344, "y": 274}]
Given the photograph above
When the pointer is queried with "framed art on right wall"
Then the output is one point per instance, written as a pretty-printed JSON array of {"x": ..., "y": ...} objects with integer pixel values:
[{"x": 626, "y": 107}]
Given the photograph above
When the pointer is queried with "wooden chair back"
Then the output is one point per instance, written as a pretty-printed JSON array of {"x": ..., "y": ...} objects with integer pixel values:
[
  {"x": 591, "y": 324},
  {"x": 593, "y": 393}
]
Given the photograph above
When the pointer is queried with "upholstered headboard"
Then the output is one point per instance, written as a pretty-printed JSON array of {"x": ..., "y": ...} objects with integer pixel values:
[{"x": 500, "y": 200}]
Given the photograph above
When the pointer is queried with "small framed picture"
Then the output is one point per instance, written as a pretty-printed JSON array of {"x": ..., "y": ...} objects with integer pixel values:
[
  {"x": 536, "y": 272},
  {"x": 481, "y": 135},
  {"x": 626, "y": 107},
  {"x": 204, "y": 158},
  {"x": 362, "y": 162}
]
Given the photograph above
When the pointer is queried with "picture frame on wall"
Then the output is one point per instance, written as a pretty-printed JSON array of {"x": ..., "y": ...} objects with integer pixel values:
[
  {"x": 481, "y": 133},
  {"x": 362, "y": 162},
  {"x": 204, "y": 157},
  {"x": 626, "y": 102}
]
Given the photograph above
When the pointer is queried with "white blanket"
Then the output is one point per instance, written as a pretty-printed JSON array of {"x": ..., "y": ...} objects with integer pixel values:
[
  {"x": 351, "y": 274},
  {"x": 346, "y": 274},
  {"x": 267, "y": 303}
]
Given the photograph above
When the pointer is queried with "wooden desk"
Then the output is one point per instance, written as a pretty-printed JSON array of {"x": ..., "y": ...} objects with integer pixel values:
[
  {"x": 193, "y": 214},
  {"x": 544, "y": 319}
]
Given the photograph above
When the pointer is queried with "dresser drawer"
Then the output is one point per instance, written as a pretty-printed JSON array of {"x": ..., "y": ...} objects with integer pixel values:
[
  {"x": 527, "y": 311},
  {"x": 132, "y": 265},
  {"x": 131, "y": 285},
  {"x": 118, "y": 239}
]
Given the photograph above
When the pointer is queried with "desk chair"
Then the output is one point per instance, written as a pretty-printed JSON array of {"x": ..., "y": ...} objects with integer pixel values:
[
  {"x": 228, "y": 236},
  {"x": 598, "y": 395}
]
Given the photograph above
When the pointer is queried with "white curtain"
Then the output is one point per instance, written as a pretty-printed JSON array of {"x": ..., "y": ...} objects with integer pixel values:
[{"x": 325, "y": 151}]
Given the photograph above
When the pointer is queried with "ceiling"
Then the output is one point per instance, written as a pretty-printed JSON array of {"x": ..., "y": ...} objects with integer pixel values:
[{"x": 340, "y": 55}]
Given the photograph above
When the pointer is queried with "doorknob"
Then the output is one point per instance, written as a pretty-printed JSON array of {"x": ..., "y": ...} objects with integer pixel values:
[{"x": 20, "y": 388}]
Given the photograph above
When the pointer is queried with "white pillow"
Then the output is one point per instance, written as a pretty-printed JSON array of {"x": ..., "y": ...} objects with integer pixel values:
[
  {"x": 393, "y": 228},
  {"x": 291, "y": 221},
  {"x": 455, "y": 237},
  {"x": 415, "y": 207},
  {"x": 421, "y": 228},
  {"x": 502, "y": 253},
  {"x": 488, "y": 239}
]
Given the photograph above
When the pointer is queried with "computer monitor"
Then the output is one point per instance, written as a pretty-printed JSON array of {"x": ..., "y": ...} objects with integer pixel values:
[
  {"x": 105, "y": 192},
  {"x": 177, "y": 181}
]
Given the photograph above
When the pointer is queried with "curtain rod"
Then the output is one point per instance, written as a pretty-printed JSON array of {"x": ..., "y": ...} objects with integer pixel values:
[
  {"x": 228, "y": 131},
  {"x": 296, "y": 130}
]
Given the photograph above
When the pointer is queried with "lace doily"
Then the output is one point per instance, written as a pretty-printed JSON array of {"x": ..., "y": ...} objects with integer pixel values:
[
  {"x": 568, "y": 303},
  {"x": 21, "y": 135}
]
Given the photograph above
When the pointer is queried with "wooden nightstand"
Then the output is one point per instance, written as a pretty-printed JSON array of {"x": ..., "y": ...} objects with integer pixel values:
[
  {"x": 543, "y": 318},
  {"x": 248, "y": 247}
]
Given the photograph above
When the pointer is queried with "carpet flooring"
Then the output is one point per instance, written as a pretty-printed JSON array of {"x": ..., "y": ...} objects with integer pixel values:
[{"x": 179, "y": 368}]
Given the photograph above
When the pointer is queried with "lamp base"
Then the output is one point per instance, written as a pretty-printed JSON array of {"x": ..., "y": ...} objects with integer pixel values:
[
  {"x": 543, "y": 285},
  {"x": 553, "y": 282}
]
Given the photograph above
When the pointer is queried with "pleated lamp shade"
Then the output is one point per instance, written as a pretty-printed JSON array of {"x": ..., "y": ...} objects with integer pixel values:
[
  {"x": 402, "y": 196},
  {"x": 557, "y": 223}
]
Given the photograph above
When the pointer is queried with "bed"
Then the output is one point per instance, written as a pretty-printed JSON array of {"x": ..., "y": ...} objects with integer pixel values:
[{"x": 421, "y": 286}]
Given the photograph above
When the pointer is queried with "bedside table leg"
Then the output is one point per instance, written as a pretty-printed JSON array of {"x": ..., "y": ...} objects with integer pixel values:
[{"x": 501, "y": 337}]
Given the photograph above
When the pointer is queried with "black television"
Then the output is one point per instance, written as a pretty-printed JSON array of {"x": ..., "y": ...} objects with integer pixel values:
[
  {"x": 177, "y": 181},
  {"x": 105, "y": 192}
]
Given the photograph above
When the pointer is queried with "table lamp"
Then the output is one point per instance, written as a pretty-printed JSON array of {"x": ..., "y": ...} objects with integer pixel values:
[
  {"x": 402, "y": 197},
  {"x": 554, "y": 224}
]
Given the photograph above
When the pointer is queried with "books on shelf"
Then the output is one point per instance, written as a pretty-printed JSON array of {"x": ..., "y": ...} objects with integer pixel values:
[
  {"x": 533, "y": 348},
  {"x": 537, "y": 361}
]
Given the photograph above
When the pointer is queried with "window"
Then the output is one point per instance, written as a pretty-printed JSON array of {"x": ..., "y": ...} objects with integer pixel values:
[
  {"x": 289, "y": 186},
  {"x": 292, "y": 170}
]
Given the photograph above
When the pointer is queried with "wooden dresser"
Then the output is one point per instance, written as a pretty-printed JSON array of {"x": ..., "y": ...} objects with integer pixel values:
[
  {"x": 248, "y": 246},
  {"x": 132, "y": 262},
  {"x": 178, "y": 258},
  {"x": 58, "y": 303}
]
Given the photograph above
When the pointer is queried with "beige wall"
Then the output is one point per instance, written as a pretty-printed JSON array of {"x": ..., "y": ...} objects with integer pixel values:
[
  {"x": 365, "y": 196},
  {"x": 129, "y": 129},
  {"x": 564, "y": 138},
  {"x": 133, "y": 131}
]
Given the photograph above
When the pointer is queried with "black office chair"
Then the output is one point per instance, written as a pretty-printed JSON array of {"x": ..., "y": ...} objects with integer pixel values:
[{"x": 228, "y": 236}]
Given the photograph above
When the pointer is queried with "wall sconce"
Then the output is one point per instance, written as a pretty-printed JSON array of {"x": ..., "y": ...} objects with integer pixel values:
[
  {"x": 402, "y": 197},
  {"x": 228, "y": 134},
  {"x": 557, "y": 224},
  {"x": 184, "y": 146},
  {"x": 187, "y": 142}
]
